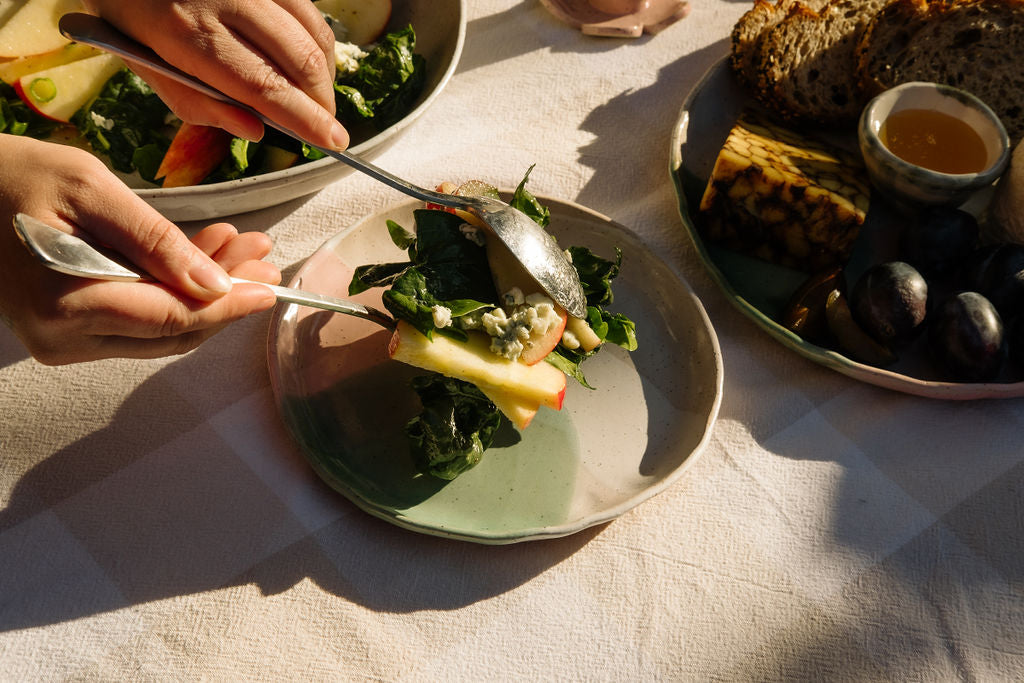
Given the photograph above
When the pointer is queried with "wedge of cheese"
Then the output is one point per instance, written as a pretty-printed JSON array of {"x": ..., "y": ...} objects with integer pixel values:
[{"x": 784, "y": 197}]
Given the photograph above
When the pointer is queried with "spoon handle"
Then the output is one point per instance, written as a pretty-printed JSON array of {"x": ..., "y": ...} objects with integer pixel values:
[
  {"x": 71, "y": 255},
  {"x": 92, "y": 30}
]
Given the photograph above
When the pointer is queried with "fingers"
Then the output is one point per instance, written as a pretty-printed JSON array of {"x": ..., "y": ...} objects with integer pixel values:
[
  {"x": 194, "y": 107},
  {"x": 277, "y": 57}
]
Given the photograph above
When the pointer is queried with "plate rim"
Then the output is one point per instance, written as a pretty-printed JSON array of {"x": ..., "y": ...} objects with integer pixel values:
[
  {"x": 398, "y": 517},
  {"x": 834, "y": 360}
]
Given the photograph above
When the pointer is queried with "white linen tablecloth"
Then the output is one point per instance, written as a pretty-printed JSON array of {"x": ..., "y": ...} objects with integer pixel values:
[{"x": 157, "y": 522}]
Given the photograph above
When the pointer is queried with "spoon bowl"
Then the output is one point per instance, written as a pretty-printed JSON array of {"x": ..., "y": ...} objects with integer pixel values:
[{"x": 528, "y": 242}]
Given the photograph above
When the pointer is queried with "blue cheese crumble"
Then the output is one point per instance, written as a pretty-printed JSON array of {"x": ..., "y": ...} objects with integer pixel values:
[
  {"x": 346, "y": 58},
  {"x": 511, "y": 332}
]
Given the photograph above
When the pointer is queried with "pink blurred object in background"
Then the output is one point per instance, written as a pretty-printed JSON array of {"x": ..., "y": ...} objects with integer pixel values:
[{"x": 618, "y": 18}]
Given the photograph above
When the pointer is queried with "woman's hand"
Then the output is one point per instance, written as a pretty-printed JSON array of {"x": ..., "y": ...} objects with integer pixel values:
[
  {"x": 276, "y": 56},
  {"x": 63, "y": 319}
]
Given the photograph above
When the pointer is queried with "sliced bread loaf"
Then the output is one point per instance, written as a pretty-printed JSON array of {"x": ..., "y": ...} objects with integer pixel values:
[
  {"x": 751, "y": 29},
  {"x": 805, "y": 62},
  {"x": 976, "y": 45}
]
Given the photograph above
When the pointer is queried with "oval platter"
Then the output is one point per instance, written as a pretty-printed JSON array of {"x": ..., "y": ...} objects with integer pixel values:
[{"x": 760, "y": 290}]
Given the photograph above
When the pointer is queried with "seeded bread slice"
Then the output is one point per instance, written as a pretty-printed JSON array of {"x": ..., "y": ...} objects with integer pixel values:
[
  {"x": 976, "y": 45},
  {"x": 752, "y": 27},
  {"x": 806, "y": 62}
]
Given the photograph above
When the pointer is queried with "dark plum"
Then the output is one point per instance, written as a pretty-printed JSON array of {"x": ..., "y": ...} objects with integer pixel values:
[
  {"x": 851, "y": 339},
  {"x": 935, "y": 240},
  {"x": 997, "y": 272},
  {"x": 890, "y": 302},
  {"x": 966, "y": 338}
]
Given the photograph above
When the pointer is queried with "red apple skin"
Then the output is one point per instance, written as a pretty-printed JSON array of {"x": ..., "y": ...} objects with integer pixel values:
[
  {"x": 537, "y": 350},
  {"x": 194, "y": 153}
]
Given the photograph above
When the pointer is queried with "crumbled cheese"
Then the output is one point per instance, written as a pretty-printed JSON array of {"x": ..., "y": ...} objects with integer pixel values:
[
  {"x": 101, "y": 121},
  {"x": 346, "y": 57},
  {"x": 511, "y": 332},
  {"x": 442, "y": 316},
  {"x": 513, "y": 297},
  {"x": 473, "y": 234},
  {"x": 570, "y": 340}
]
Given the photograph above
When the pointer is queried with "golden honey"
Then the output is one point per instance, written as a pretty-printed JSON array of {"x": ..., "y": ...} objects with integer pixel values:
[{"x": 934, "y": 140}]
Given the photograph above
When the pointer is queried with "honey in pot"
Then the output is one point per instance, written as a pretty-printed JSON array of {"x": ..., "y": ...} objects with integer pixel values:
[{"x": 934, "y": 140}]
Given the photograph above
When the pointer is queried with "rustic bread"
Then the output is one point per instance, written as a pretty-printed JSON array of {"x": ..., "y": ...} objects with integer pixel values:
[
  {"x": 751, "y": 28},
  {"x": 977, "y": 45},
  {"x": 805, "y": 62}
]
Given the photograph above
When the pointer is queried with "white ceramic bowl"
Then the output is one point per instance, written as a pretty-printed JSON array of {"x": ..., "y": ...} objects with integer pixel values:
[
  {"x": 440, "y": 27},
  {"x": 909, "y": 185}
]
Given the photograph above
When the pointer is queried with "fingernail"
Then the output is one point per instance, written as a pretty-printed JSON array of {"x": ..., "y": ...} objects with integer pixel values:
[
  {"x": 211, "y": 277},
  {"x": 339, "y": 136}
]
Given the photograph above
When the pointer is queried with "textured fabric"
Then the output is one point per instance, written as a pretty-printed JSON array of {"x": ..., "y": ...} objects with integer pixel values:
[{"x": 157, "y": 522}]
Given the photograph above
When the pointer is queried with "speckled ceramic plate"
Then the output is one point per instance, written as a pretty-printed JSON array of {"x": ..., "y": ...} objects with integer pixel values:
[
  {"x": 605, "y": 452},
  {"x": 761, "y": 290}
]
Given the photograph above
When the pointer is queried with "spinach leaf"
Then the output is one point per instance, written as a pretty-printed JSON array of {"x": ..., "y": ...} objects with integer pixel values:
[
  {"x": 528, "y": 204},
  {"x": 596, "y": 275},
  {"x": 16, "y": 118},
  {"x": 126, "y": 122},
  {"x": 444, "y": 269},
  {"x": 386, "y": 84},
  {"x": 456, "y": 426}
]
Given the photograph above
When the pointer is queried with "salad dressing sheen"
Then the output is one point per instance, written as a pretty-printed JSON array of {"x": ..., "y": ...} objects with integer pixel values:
[{"x": 934, "y": 140}]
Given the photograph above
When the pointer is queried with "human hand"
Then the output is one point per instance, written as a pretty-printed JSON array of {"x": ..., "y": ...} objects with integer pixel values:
[
  {"x": 63, "y": 319},
  {"x": 276, "y": 56}
]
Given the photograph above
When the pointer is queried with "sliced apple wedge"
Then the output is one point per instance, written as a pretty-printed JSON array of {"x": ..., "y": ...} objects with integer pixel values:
[
  {"x": 32, "y": 28},
  {"x": 474, "y": 362},
  {"x": 364, "y": 20},
  {"x": 62, "y": 90},
  {"x": 584, "y": 334},
  {"x": 14, "y": 69},
  {"x": 519, "y": 412},
  {"x": 7, "y": 8},
  {"x": 194, "y": 153}
]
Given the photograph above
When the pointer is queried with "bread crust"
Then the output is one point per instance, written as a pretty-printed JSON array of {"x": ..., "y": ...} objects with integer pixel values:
[{"x": 975, "y": 45}]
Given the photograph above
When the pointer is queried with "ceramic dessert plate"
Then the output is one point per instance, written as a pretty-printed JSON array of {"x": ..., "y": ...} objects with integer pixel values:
[
  {"x": 607, "y": 450},
  {"x": 760, "y": 290},
  {"x": 618, "y": 18}
]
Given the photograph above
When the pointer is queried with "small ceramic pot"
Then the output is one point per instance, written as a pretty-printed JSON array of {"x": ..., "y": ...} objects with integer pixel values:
[{"x": 912, "y": 186}]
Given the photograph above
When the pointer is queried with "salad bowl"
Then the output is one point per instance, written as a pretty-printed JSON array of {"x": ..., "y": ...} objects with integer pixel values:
[{"x": 440, "y": 28}]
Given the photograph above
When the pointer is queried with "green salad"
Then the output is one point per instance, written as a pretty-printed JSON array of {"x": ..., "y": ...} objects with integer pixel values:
[
  {"x": 448, "y": 269},
  {"x": 128, "y": 124}
]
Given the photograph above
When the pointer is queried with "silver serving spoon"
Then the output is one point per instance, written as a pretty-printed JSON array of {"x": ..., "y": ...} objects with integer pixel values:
[
  {"x": 72, "y": 255},
  {"x": 529, "y": 243}
]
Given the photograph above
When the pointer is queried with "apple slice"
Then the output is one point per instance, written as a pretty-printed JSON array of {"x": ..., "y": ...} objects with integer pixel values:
[
  {"x": 14, "y": 69},
  {"x": 474, "y": 362},
  {"x": 277, "y": 159},
  {"x": 32, "y": 29},
  {"x": 194, "y": 153},
  {"x": 584, "y": 333},
  {"x": 7, "y": 8},
  {"x": 518, "y": 411},
  {"x": 364, "y": 20},
  {"x": 60, "y": 91}
]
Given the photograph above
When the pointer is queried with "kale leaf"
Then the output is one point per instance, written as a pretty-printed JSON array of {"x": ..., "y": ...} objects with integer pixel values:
[
  {"x": 456, "y": 426},
  {"x": 126, "y": 122}
]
